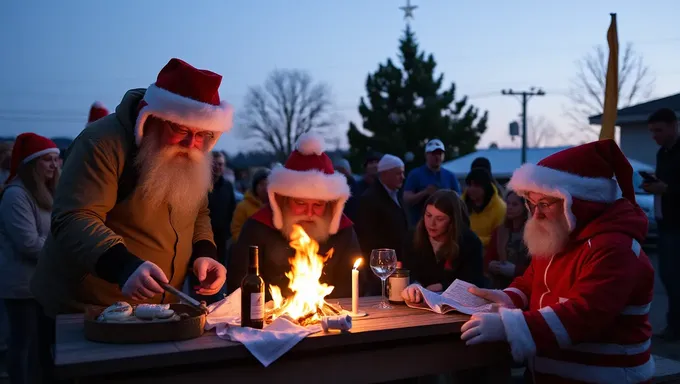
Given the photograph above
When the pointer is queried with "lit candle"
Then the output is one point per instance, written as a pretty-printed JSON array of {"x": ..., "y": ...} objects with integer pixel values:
[{"x": 355, "y": 287}]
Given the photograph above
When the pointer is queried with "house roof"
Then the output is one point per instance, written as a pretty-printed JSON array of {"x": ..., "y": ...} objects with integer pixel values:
[
  {"x": 504, "y": 161},
  {"x": 640, "y": 112}
]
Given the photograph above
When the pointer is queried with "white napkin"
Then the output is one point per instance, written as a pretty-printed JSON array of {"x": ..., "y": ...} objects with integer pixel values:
[{"x": 266, "y": 344}]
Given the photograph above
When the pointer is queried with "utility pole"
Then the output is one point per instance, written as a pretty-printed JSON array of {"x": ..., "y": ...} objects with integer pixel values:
[{"x": 526, "y": 95}]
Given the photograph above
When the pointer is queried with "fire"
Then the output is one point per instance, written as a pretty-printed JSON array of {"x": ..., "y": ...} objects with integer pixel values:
[{"x": 307, "y": 303}]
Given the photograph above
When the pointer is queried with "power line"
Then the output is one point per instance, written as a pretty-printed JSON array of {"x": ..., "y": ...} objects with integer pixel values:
[{"x": 526, "y": 95}]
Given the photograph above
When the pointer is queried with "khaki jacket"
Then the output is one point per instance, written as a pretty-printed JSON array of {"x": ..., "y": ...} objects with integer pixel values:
[{"x": 87, "y": 221}]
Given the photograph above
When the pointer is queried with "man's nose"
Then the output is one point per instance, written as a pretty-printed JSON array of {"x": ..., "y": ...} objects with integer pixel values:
[
  {"x": 189, "y": 141},
  {"x": 538, "y": 214}
]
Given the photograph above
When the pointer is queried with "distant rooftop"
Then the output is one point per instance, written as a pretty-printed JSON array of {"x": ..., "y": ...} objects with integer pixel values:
[{"x": 640, "y": 112}]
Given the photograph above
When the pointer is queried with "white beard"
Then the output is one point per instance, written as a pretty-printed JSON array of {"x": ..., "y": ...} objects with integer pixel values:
[
  {"x": 318, "y": 229},
  {"x": 545, "y": 238},
  {"x": 173, "y": 175}
]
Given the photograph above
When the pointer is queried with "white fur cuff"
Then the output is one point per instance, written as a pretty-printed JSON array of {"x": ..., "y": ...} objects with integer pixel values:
[{"x": 517, "y": 333}]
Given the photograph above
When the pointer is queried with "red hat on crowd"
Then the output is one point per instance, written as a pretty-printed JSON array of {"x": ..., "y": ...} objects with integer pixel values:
[
  {"x": 27, "y": 147},
  {"x": 188, "y": 96},
  {"x": 596, "y": 172},
  {"x": 308, "y": 174},
  {"x": 97, "y": 111}
]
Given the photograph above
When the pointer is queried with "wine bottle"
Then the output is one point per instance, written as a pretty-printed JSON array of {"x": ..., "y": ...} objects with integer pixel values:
[
  {"x": 397, "y": 282},
  {"x": 252, "y": 293}
]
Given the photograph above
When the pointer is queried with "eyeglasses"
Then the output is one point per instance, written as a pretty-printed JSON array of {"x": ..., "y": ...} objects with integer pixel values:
[
  {"x": 185, "y": 132},
  {"x": 541, "y": 205}
]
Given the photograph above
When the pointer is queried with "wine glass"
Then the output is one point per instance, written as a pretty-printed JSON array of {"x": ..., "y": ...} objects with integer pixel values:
[{"x": 383, "y": 263}]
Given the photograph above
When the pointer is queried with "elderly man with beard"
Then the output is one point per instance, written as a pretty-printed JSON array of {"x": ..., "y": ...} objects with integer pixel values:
[
  {"x": 131, "y": 209},
  {"x": 307, "y": 192},
  {"x": 580, "y": 311}
]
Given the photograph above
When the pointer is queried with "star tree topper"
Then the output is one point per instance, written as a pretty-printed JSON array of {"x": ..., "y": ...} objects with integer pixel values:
[{"x": 408, "y": 10}]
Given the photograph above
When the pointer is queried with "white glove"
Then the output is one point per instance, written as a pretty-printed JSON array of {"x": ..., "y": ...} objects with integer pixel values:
[
  {"x": 483, "y": 328},
  {"x": 494, "y": 295},
  {"x": 412, "y": 293},
  {"x": 504, "y": 268},
  {"x": 142, "y": 284}
]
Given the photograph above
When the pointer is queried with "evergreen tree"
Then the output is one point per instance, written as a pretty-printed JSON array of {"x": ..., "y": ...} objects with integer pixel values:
[{"x": 405, "y": 108}]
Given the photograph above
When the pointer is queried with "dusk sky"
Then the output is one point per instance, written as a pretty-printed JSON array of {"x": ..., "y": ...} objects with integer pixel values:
[{"x": 60, "y": 56}]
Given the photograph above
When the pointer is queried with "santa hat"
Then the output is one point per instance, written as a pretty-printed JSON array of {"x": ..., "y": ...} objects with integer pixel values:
[
  {"x": 308, "y": 174},
  {"x": 97, "y": 111},
  {"x": 187, "y": 96},
  {"x": 596, "y": 172},
  {"x": 27, "y": 147}
]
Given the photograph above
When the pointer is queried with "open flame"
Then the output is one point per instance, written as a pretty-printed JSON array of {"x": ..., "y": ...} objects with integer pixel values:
[{"x": 306, "y": 304}]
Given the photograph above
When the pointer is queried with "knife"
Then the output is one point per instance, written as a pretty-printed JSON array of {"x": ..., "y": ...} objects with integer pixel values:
[{"x": 186, "y": 298}]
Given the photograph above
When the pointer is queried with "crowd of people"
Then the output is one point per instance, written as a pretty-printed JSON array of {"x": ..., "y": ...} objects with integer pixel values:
[{"x": 142, "y": 198}]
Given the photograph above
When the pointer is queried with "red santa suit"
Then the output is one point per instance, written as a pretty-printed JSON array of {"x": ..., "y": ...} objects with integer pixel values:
[{"x": 582, "y": 314}]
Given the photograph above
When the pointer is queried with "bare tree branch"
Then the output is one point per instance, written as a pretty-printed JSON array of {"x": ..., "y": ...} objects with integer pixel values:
[
  {"x": 287, "y": 106},
  {"x": 587, "y": 88},
  {"x": 542, "y": 133}
]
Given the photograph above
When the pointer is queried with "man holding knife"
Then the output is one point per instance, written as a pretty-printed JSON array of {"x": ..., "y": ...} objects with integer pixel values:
[{"x": 131, "y": 209}]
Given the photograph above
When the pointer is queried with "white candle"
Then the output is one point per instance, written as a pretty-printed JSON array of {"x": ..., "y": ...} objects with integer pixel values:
[{"x": 355, "y": 287}]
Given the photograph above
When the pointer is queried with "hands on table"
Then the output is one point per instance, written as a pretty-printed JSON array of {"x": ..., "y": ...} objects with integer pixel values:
[
  {"x": 412, "y": 293},
  {"x": 143, "y": 283}
]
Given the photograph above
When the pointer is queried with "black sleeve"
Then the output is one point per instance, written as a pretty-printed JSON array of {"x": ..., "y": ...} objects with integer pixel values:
[
  {"x": 415, "y": 263},
  {"x": 117, "y": 264},
  {"x": 347, "y": 250},
  {"x": 230, "y": 209},
  {"x": 366, "y": 225},
  {"x": 238, "y": 261},
  {"x": 473, "y": 263}
]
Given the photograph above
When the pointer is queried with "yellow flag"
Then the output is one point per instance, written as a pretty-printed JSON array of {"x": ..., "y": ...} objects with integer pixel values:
[{"x": 611, "y": 93}]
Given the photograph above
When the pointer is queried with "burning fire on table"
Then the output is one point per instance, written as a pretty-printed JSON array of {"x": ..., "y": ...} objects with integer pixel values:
[{"x": 306, "y": 305}]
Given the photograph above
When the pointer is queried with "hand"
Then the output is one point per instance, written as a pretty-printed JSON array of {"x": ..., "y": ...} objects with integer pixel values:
[
  {"x": 431, "y": 189},
  {"x": 494, "y": 295},
  {"x": 211, "y": 275},
  {"x": 656, "y": 188},
  {"x": 412, "y": 294},
  {"x": 483, "y": 328},
  {"x": 435, "y": 287},
  {"x": 504, "y": 268},
  {"x": 142, "y": 284}
]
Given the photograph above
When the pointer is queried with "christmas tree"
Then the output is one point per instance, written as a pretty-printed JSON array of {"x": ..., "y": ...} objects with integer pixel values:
[{"x": 405, "y": 108}]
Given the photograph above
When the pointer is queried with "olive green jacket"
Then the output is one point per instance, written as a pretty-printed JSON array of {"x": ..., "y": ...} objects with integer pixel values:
[{"x": 96, "y": 242}]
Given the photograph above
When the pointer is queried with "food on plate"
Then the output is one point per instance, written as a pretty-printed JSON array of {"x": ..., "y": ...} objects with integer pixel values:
[
  {"x": 117, "y": 312},
  {"x": 153, "y": 311}
]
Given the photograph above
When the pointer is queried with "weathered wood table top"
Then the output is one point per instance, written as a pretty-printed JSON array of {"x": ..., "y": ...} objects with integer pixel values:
[{"x": 77, "y": 357}]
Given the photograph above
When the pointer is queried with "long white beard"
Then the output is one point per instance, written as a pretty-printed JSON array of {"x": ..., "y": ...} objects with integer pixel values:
[
  {"x": 545, "y": 238},
  {"x": 173, "y": 175},
  {"x": 318, "y": 229}
]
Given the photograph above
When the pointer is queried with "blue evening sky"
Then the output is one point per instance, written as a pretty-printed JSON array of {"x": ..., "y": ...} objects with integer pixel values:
[{"x": 60, "y": 56}]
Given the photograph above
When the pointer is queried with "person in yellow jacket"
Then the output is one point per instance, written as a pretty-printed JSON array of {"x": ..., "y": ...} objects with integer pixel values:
[
  {"x": 254, "y": 199},
  {"x": 485, "y": 206}
]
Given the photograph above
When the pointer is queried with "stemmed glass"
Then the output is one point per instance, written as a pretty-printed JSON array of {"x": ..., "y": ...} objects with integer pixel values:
[{"x": 383, "y": 263}]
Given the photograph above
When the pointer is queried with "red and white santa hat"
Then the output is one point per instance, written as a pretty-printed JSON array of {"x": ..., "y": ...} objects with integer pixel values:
[
  {"x": 29, "y": 146},
  {"x": 188, "y": 96},
  {"x": 308, "y": 174},
  {"x": 97, "y": 111},
  {"x": 596, "y": 172}
]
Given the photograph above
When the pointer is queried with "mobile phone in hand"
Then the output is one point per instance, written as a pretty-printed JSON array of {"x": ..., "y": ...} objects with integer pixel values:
[{"x": 648, "y": 177}]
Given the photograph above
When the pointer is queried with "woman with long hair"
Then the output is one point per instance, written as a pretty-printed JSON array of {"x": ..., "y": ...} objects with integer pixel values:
[
  {"x": 506, "y": 254},
  {"x": 25, "y": 208},
  {"x": 443, "y": 248}
]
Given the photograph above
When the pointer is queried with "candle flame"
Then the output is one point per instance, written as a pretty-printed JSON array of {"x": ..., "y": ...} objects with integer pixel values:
[{"x": 358, "y": 263}]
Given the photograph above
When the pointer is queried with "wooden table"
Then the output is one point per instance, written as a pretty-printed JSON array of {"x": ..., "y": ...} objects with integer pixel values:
[{"x": 385, "y": 345}]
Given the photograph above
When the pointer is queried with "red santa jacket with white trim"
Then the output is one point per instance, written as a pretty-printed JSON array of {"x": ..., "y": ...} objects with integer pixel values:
[{"x": 582, "y": 315}]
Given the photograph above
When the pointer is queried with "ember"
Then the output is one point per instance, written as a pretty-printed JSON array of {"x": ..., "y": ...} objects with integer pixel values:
[{"x": 306, "y": 305}]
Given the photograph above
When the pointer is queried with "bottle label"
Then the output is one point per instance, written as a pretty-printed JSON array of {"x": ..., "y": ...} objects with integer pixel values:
[
  {"x": 257, "y": 306},
  {"x": 396, "y": 286}
]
